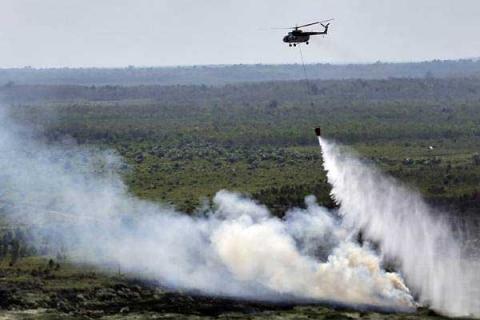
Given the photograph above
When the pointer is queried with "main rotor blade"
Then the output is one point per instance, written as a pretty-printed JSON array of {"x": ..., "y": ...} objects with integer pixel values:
[
  {"x": 305, "y": 25},
  {"x": 290, "y": 28},
  {"x": 313, "y": 23},
  {"x": 327, "y": 20},
  {"x": 310, "y": 24}
]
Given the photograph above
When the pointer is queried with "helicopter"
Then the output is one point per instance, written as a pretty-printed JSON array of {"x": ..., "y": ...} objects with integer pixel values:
[{"x": 297, "y": 35}]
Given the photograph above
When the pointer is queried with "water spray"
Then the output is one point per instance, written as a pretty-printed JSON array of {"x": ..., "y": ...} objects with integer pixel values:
[{"x": 416, "y": 238}]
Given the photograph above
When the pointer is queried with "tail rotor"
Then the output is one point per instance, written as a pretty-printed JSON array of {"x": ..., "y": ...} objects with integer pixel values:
[{"x": 325, "y": 26}]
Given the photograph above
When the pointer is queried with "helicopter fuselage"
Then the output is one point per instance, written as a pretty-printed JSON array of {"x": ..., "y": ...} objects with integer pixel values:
[
  {"x": 296, "y": 38},
  {"x": 299, "y": 36}
]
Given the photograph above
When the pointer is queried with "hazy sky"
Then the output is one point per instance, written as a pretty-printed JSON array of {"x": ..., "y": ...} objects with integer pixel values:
[{"x": 46, "y": 33}]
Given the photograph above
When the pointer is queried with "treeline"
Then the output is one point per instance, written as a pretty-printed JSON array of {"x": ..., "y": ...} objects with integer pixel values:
[
  {"x": 272, "y": 113},
  {"x": 225, "y": 74},
  {"x": 13, "y": 245},
  {"x": 335, "y": 91}
]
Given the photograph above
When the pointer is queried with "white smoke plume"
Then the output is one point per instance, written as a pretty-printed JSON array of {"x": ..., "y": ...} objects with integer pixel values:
[
  {"x": 236, "y": 248},
  {"x": 419, "y": 240}
]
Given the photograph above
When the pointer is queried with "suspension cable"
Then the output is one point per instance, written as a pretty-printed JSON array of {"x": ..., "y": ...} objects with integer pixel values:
[
  {"x": 303, "y": 64},
  {"x": 307, "y": 80}
]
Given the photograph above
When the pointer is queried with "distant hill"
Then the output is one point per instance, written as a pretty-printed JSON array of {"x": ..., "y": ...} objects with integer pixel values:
[{"x": 226, "y": 74}]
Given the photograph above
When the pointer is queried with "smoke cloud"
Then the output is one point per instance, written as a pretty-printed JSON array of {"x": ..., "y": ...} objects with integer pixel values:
[
  {"x": 419, "y": 240},
  {"x": 76, "y": 198}
]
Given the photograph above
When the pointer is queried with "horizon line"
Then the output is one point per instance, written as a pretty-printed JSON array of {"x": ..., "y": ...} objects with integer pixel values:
[{"x": 28, "y": 67}]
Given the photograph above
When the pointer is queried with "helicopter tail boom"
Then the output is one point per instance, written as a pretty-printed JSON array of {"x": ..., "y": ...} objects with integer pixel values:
[{"x": 325, "y": 31}]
